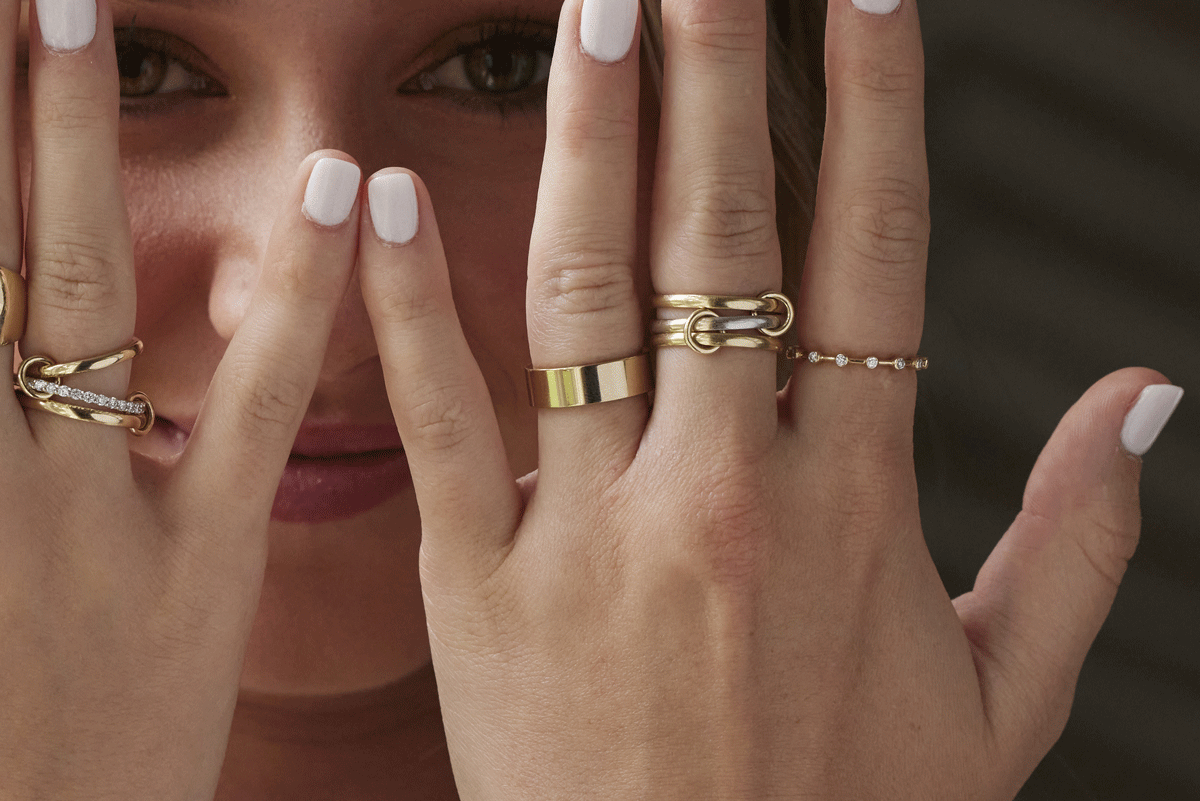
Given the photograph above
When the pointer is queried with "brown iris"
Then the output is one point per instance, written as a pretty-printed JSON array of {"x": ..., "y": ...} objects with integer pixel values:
[{"x": 501, "y": 67}]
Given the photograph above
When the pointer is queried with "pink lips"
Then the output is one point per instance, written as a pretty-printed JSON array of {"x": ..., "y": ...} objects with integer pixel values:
[{"x": 335, "y": 471}]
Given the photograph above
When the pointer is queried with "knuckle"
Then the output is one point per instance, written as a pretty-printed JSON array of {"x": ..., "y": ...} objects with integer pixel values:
[
  {"x": 721, "y": 35},
  {"x": 298, "y": 280},
  {"x": 732, "y": 218},
  {"x": 71, "y": 113},
  {"x": 405, "y": 306},
  {"x": 888, "y": 225},
  {"x": 73, "y": 276},
  {"x": 582, "y": 127},
  {"x": 1107, "y": 547},
  {"x": 440, "y": 421},
  {"x": 268, "y": 405},
  {"x": 595, "y": 279},
  {"x": 888, "y": 82}
]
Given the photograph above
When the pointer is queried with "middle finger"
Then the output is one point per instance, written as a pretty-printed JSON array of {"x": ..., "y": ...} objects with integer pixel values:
[{"x": 714, "y": 198}]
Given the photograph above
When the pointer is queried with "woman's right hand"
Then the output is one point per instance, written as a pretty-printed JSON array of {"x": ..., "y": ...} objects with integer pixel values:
[{"x": 127, "y": 589}]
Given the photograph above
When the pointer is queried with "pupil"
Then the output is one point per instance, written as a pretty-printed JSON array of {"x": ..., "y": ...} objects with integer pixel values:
[
  {"x": 501, "y": 68},
  {"x": 141, "y": 69}
]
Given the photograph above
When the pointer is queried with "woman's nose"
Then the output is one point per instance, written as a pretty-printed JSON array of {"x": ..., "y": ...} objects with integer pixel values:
[{"x": 262, "y": 169}]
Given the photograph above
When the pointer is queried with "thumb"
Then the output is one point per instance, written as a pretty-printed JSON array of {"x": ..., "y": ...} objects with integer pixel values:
[{"x": 1044, "y": 592}]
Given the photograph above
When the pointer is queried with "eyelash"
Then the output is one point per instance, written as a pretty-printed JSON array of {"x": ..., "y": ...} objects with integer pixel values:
[{"x": 520, "y": 32}]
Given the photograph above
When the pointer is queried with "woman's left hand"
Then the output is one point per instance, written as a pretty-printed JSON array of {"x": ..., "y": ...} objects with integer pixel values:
[{"x": 729, "y": 595}]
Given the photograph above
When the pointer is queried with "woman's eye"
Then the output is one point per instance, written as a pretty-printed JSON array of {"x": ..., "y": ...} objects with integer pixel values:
[
  {"x": 505, "y": 66},
  {"x": 148, "y": 64}
]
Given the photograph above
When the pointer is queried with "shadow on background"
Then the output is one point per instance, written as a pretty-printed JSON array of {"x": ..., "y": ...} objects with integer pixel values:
[{"x": 1064, "y": 142}]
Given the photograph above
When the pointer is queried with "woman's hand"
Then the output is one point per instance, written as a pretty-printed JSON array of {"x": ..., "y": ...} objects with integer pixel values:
[
  {"x": 729, "y": 595},
  {"x": 127, "y": 590}
]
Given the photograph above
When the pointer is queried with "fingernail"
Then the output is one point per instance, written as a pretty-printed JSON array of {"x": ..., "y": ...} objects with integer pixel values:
[
  {"x": 606, "y": 28},
  {"x": 877, "y": 6},
  {"x": 331, "y": 192},
  {"x": 1148, "y": 416},
  {"x": 393, "y": 201},
  {"x": 66, "y": 25}
]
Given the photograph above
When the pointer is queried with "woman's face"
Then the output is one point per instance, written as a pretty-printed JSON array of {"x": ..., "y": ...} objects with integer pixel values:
[{"x": 223, "y": 99}]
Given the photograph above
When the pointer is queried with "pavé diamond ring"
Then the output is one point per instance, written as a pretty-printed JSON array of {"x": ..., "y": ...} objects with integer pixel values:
[{"x": 40, "y": 381}]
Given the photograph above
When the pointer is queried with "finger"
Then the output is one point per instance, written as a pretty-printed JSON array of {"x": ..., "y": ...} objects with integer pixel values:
[
  {"x": 1041, "y": 598},
  {"x": 248, "y": 421},
  {"x": 582, "y": 297},
  {"x": 438, "y": 395},
  {"x": 714, "y": 198},
  {"x": 79, "y": 252},
  {"x": 863, "y": 288},
  {"x": 10, "y": 187}
]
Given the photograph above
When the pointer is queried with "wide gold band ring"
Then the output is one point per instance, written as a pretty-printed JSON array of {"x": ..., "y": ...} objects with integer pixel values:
[
  {"x": 565, "y": 387},
  {"x": 12, "y": 306}
]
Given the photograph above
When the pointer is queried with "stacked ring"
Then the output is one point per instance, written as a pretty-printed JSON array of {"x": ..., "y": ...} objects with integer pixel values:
[
  {"x": 755, "y": 323},
  {"x": 33, "y": 381},
  {"x": 12, "y": 306},
  {"x": 870, "y": 362}
]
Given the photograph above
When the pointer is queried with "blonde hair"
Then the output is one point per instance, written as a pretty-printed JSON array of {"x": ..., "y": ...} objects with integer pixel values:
[{"x": 795, "y": 112}]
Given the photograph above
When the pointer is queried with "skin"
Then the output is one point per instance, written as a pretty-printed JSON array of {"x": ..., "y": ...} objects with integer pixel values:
[{"x": 758, "y": 552}]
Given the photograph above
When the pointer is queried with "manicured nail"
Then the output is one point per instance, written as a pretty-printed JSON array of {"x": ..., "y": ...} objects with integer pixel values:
[
  {"x": 606, "y": 28},
  {"x": 877, "y": 6},
  {"x": 66, "y": 24},
  {"x": 1148, "y": 416},
  {"x": 393, "y": 201},
  {"x": 331, "y": 192}
]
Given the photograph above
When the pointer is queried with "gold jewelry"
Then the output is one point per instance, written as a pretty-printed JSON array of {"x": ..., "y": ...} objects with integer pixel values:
[
  {"x": 707, "y": 342},
  {"x": 12, "y": 306},
  {"x": 705, "y": 331},
  {"x": 766, "y": 303},
  {"x": 870, "y": 362},
  {"x": 135, "y": 412},
  {"x": 564, "y": 387},
  {"x": 138, "y": 424}
]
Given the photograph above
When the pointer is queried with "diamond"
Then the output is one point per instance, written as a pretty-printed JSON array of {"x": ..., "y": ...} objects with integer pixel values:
[
  {"x": 872, "y": 362},
  {"x": 901, "y": 364},
  {"x": 922, "y": 364},
  {"x": 842, "y": 360},
  {"x": 91, "y": 397},
  {"x": 814, "y": 357}
]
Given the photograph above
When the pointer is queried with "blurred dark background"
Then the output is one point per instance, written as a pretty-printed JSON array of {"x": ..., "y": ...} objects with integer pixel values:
[{"x": 1064, "y": 144}]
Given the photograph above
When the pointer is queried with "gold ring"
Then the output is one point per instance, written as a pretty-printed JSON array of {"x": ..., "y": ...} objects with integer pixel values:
[
  {"x": 716, "y": 339},
  {"x": 38, "y": 379},
  {"x": 94, "y": 363},
  {"x": 766, "y": 303},
  {"x": 138, "y": 424},
  {"x": 12, "y": 306},
  {"x": 564, "y": 387},
  {"x": 870, "y": 362}
]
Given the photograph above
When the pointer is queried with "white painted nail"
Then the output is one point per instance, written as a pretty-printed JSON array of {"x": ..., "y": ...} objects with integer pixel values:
[
  {"x": 606, "y": 28},
  {"x": 1148, "y": 416},
  {"x": 331, "y": 191},
  {"x": 393, "y": 207},
  {"x": 67, "y": 24},
  {"x": 877, "y": 6}
]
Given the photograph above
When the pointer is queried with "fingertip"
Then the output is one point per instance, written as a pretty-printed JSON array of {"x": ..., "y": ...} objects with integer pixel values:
[
  {"x": 393, "y": 206},
  {"x": 332, "y": 189},
  {"x": 1148, "y": 416}
]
